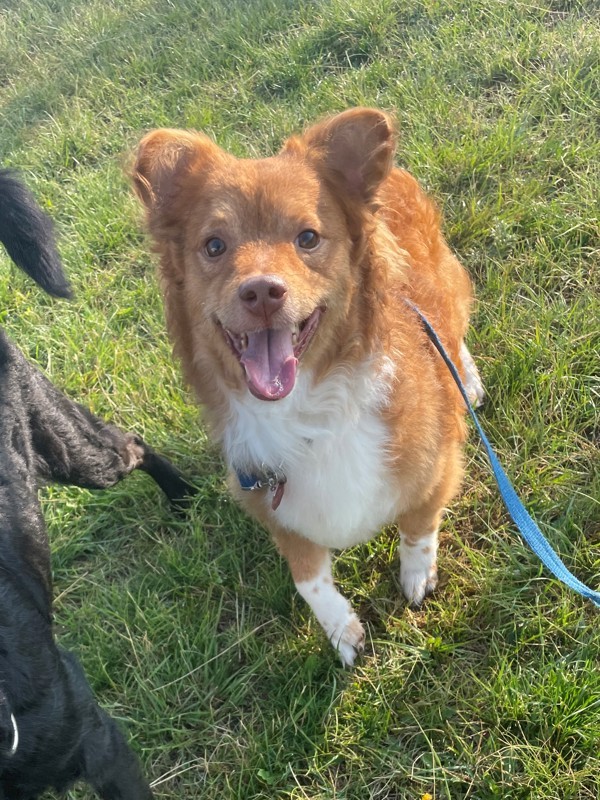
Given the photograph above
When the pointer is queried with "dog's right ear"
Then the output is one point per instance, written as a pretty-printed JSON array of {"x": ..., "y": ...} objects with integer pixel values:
[{"x": 162, "y": 158}]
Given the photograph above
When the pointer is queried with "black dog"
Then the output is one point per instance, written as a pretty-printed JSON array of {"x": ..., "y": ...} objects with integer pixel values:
[{"x": 52, "y": 732}]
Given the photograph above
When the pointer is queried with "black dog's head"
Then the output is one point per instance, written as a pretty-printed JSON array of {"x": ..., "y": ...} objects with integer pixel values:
[{"x": 28, "y": 236}]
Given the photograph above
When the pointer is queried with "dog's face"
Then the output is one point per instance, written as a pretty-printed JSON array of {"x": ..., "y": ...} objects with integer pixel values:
[{"x": 265, "y": 253}]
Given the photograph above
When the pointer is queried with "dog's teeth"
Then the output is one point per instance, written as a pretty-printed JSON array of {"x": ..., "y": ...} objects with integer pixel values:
[
  {"x": 294, "y": 338},
  {"x": 243, "y": 341}
]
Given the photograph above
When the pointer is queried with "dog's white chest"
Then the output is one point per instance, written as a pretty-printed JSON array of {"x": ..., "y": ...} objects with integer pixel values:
[{"x": 332, "y": 445}]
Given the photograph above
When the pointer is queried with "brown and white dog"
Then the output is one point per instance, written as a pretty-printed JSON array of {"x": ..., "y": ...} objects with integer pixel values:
[{"x": 284, "y": 281}]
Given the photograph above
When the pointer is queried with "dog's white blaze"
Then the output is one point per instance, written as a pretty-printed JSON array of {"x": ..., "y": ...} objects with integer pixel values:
[
  {"x": 334, "y": 612},
  {"x": 331, "y": 443},
  {"x": 418, "y": 570}
]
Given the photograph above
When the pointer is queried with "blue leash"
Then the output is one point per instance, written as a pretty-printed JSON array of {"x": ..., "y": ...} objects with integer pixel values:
[{"x": 527, "y": 527}]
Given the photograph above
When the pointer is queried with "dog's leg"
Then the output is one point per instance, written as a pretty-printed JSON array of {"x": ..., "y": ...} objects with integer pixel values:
[
  {"x": 91, "y": 453},
  {"x": 418, "y": 566},
  {"x": 74, "y": 446},
  {"x": 310, "y": 565},
  {"x": 419, "y": 527},
  {"x": 418, "y": 553},
  {"x": 71, "y": 445}
]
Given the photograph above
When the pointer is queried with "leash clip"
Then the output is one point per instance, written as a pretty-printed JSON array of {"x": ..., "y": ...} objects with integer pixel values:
[{"x": 274, "y": 480}]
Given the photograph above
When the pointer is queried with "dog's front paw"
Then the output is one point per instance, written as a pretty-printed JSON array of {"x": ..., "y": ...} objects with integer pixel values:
[
  {"x": 348, "y": 639},
  {"x": 418, "y": 567},
  {"x": 417, "y": 583},
  {"x": 335, "y": 614}
]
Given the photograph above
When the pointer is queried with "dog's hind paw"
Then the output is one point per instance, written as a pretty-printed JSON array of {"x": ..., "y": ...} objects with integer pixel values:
[{"x": 473, "y": 382}]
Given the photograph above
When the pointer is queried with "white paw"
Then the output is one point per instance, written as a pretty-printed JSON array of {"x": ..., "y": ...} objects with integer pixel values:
[
  {"x": 348, "y": 639},
  {"x": 473, "y": 382},
  {"x": 418, "y": 567},
  {"x": 334, "y": 613},
  {"x": 417, "y": 584}
]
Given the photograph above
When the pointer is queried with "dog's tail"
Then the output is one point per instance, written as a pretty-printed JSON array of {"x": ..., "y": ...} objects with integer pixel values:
[{"x": 27, "y": 233}]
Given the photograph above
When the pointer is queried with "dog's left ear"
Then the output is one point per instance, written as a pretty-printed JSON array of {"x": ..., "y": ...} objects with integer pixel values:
[{"x": 355, "y": 148}]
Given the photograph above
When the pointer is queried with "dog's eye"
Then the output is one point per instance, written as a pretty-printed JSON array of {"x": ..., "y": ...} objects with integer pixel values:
[
  {"x": 307, "y": 240},
  {"x": 215, "y": 247}
]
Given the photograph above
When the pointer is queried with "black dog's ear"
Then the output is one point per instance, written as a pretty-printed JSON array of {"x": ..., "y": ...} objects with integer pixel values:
[{"x": 27, "y": 233}]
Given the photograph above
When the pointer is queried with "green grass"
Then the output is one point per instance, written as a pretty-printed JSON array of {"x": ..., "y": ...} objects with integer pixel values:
[{"x": 190, "y": 631}]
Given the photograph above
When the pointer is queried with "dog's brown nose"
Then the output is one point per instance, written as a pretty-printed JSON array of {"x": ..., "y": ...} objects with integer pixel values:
[{"x": 263, "y": 295}]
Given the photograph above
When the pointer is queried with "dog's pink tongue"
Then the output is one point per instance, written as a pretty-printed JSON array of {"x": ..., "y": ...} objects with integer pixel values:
[{"x": 270, "y": 364}]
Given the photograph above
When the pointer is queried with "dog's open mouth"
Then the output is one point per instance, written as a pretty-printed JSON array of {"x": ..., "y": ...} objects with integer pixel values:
[{"x": 270, "y": 356}]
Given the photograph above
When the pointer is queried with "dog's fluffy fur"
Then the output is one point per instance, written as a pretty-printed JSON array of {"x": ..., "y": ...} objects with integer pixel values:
[
  {"x": 284, "y": 280},
  {"x": 52, "y": 732}
]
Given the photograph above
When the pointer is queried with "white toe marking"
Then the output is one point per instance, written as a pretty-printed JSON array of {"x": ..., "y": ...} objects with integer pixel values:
[
  {"x": 334, "y": 613},
  {"x": 473, "y": 383},
  {"x": 418, "y": 567}
]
